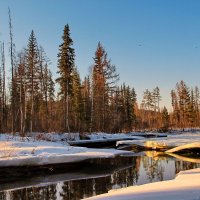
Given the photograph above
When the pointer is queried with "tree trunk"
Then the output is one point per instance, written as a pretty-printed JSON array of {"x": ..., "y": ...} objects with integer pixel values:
[
  {"x": 32, "y": 99},
  {"x": 67, "y": 111}
]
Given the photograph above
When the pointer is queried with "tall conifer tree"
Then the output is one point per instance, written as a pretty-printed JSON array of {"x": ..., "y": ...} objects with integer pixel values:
[
  {"x": 32, "y": 56},
  {"x": 66, "y": 58}
]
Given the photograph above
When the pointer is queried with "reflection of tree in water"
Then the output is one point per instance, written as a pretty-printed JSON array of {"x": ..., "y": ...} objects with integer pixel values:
[
  {"x": 3, "y": 195},
  {"x": 79, "y": 189},
  {"x": 75, "y": 189},
  {"x": 125, "y": 178},
  {"x": 34, "y": 193},
  {"x": 183, "y": 165},
  {"x": 153, "y": 168}
]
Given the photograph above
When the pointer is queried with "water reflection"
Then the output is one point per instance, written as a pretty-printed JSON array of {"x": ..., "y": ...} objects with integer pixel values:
[{"x": 150, "y": 167}]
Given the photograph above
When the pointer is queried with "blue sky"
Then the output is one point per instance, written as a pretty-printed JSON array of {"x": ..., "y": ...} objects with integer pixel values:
[{"x": 151, "y": 42}]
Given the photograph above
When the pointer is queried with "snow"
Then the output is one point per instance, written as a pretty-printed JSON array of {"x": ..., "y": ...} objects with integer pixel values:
[
  {"x": 100, "y": 136},
  {"x": 184, "y": 187},
  {"x": 75, "y": 138},
  {"x": 15, "y": 152},
  {"x": 53, "y": 137},
  {"x": 104, "y": 140},
  {"x": 159, "y": 143},
  {"x": 184, "y": 147}
]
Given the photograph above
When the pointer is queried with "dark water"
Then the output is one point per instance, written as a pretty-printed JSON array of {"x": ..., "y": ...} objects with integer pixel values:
[{"x": 145, "y": 168}]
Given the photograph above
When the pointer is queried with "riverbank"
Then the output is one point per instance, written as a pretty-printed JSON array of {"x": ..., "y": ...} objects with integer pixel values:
[
  {"x": 40, "y": 156},
  {"x": 43, "y": 149},
  {"x": 18, "y": 152},
  {"x": 184, "y": 186},
  {"x": 166, "y": 143}
]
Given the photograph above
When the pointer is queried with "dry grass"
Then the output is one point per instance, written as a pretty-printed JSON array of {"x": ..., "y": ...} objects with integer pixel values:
[{"x": 6, "y": 150}]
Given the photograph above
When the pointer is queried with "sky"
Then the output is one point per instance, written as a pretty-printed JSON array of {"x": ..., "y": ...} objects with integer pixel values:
[{"x": 151, "y": 42}]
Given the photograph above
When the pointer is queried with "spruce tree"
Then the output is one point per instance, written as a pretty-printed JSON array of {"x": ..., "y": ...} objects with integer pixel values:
[
  {"x": 130, "y": 99},
  {"x": 66, "y": 58},
  {"x": 165, "y": 119},
  {"x": 32, "y": 56},
  {"x": 76, "y": 100},
  {"x": 183, "y": 94},
  {"x": 51, "y": 98}
]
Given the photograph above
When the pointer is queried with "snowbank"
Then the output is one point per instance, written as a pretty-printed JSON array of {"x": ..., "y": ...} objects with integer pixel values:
[
  {"x": 53, "y": 137},
  {"x": 159, "y": 143},
  {"x": 100, "y": 136},
  {"x": 131, "y": 135},
  {"x": 185, "y": 186},
  {"x": 32, "y": 153}
]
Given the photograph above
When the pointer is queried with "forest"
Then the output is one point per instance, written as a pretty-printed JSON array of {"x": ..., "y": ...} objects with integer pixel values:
[{"x": 31, "y": 102}]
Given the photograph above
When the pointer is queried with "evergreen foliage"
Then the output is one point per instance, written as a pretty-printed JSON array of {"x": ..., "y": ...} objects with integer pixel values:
[
  {"x": 96, "y": 103},
  {"x": 66, "y": 58}
]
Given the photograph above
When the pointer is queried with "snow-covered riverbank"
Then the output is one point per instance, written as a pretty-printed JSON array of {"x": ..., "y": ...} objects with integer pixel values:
[
  {"x": 44, "y": 149},
  {"x": 54, "y": 149},
  {"x": 184, "y": 187},
  {"x": 171, "y": 141},
  {"x": 28, "y": 152}
]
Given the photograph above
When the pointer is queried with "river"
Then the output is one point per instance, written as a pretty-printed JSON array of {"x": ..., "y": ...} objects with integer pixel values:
[{"x": 145, "y": 167}]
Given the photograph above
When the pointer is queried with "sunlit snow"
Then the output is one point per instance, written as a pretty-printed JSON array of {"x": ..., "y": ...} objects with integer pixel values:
[{"x": 184, "y": 186}]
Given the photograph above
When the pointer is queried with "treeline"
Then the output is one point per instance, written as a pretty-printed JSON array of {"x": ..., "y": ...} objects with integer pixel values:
[
  {"x": 186, "y": 105},
  {"x": 185, "y": 102},
  {"x": 30, "y": 101}
]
